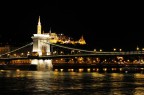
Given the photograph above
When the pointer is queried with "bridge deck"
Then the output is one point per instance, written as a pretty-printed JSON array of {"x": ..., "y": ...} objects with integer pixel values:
[{"x": 134, "y": 53}]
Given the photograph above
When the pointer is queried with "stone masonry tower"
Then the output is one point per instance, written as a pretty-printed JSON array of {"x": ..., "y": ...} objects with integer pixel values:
[
  {"x": 40, "y": 41},
  {"x": 41, "y": 46}
]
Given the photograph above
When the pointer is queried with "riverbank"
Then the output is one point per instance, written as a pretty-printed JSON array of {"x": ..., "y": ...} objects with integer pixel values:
[
  {"x": 118, "y": 68},
  {"x": 63, "y": 67},
  {"x": 19, "y": 67}
]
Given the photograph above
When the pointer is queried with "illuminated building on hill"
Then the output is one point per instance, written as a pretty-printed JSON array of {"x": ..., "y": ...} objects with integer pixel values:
[
  {"x": 81, "y": 40},
  {"x": 63, "y": 39},
  {"x": 4, "y": 49}
]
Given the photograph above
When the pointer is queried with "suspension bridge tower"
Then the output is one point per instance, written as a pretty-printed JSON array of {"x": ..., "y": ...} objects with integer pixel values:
[{"x": 41, "y": 47}]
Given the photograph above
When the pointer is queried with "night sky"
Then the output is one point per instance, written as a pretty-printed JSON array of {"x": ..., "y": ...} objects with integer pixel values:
[{"x": 105, "y": 25}]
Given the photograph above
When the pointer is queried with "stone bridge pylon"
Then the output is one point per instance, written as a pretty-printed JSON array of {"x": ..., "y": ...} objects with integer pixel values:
[{"x": 41, "y": 47}]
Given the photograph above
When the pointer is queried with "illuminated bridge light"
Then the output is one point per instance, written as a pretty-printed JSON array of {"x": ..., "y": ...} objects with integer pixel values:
[
  {"x": 70, "y": 70},
  {"x": 80, "y": 70},
  {"x": 61, "y": 70},
  {"x": 56, "y": 70},
  {"x": 88, "y": 70},
  {"x": 105, "y": 69}
]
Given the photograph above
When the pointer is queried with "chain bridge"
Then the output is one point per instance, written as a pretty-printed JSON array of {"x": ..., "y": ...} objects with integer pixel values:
[
  {"x": 73, "y": 52},
  {"x": 45, "y": 52}
]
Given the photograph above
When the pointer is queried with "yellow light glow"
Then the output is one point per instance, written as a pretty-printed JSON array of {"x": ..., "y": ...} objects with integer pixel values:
[
  {"x": 61, "y": 70},
  {"x": 88, "y": 70},
  {"x": 56, "y": 70},
  {"x": 80, "y": 70}
]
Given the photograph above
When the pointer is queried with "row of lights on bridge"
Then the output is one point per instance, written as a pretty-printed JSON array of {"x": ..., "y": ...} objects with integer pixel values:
[
  {"x": 114, "y": 49},
  {"x": 22, "y": 54},
  {"x": 139, "y": 49}
]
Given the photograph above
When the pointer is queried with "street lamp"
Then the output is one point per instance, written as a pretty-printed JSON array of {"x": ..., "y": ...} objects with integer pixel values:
[
  {"x": 100, "y": 50},
  {"x": 142, "y": 50},
  {"x": 137, "y": 48},
  {"x": 72, "y": 52},
  {"x": 120, "y": 49},
  {"x": 94, "y": 50},
  {"x": 114, "y": 49}
]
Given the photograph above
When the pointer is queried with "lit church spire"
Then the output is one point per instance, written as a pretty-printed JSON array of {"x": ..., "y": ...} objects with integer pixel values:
[
  {"x": 39, "y": 26},
  {"x": 50, "y": 31},
  {"x": 82, "y": 40}
]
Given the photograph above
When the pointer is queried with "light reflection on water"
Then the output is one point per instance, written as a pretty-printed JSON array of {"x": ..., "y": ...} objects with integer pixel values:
[{"x": 70, "y": 83}]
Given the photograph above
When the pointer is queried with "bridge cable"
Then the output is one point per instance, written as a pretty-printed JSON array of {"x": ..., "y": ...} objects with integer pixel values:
[
  {"x": 17, "y": 49},
  {"x": 73, "y": 48},
  {"x": 114, "y": 52}
]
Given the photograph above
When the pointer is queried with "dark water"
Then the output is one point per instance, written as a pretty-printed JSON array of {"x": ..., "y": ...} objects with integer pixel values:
[{"x": 70, "y": 83}]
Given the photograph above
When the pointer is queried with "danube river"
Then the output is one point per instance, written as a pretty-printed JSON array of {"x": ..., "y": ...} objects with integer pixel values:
[{"x": 70, "y": 83}]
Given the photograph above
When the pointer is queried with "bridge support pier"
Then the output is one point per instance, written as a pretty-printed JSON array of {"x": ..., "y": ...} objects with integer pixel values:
[{"x": 43, "y": 65}]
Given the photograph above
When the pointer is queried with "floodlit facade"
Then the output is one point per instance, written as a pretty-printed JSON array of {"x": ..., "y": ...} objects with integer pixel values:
[
  {"x": 4, "y": 49},
  {"x": 41, "y": 40}
]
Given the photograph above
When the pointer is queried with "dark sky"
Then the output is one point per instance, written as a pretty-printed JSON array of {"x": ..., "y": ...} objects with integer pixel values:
[{"x": 103, "y": 24}]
